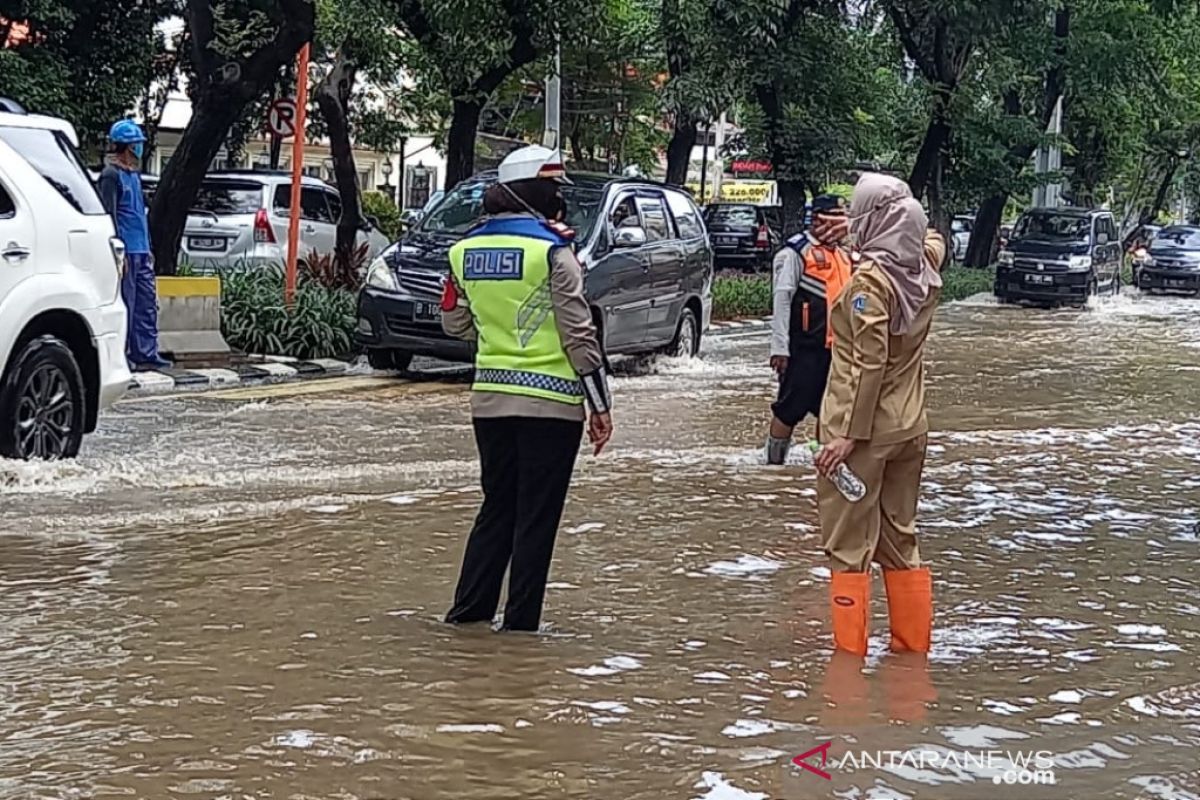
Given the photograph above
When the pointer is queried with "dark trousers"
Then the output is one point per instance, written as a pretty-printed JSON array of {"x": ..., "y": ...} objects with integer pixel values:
[{"x": 526, "y": 465}]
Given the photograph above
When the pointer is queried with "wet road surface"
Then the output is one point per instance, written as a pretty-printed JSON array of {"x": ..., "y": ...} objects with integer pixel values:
[{"x": 236, "y": 595}]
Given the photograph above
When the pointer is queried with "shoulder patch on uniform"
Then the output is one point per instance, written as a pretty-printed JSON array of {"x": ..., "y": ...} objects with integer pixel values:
[{"x": 859, "y": 302}]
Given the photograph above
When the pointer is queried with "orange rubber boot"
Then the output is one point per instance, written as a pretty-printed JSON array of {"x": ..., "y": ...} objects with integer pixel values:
[
  {"x": 910, "y": 608},
  {"x": 850, "y": 604}
]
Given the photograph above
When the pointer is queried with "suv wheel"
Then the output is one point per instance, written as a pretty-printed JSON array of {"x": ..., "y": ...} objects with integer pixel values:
[
  {"x": 687, "y": 337},
  {"x": 42, "y": 403},
  {"x": 397, "y": 360}
]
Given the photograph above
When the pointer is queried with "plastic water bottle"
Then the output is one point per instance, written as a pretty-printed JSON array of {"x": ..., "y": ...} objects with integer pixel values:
[{"x": 849, "y": 484}]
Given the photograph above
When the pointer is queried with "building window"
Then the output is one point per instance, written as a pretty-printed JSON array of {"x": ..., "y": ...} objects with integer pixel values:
[{"x": 418, "y": 186}]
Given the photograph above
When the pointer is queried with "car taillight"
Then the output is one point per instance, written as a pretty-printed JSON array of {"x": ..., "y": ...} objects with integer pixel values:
[
  {"x": 263, "y": 232},
  {"x": 764, "y": 238}
]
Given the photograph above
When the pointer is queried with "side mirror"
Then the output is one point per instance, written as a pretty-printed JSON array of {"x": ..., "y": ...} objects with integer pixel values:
[
  {"x": 629, "y": 237},
  {"x": 1102, "y": 238}
]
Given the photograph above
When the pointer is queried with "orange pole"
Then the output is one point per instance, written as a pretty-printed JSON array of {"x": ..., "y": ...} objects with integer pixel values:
[{"x": 293, "y": 252}]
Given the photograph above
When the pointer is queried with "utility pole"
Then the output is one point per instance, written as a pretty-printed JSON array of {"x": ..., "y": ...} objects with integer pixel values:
[
  {"x": 551, "y": 137},
  {"x": 719, "y": 159},
  {"x": 1049, "y": 159},
  {"x": 704, "y": 162}
]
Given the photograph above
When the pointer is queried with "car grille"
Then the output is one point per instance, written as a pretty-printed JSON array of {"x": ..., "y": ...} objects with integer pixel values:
[
  {"x": 1175, "y": 264},
  {"x": 1039, "y": 264},
  {"x": 421, "y": 283}
]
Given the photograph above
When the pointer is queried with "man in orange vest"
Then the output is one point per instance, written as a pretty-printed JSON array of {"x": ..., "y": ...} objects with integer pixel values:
[{"x": 809, "y": 275}]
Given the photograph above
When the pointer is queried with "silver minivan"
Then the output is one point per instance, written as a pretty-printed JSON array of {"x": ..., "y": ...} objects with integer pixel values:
[{"x": 239, "y": 219}]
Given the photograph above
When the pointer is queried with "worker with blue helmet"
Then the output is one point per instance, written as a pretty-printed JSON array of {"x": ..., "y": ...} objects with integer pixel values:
[{"x": 121, "y": 191}]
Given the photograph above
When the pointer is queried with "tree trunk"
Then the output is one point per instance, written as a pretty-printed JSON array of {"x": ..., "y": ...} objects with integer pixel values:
[
  {"x": 218, "y": 104},
  {"x": 933, "y": 146},
  {"x": 1151, "y": 212},
  {"x": 939, "y": 216},
  {"x": 792, "y": 196},
  {"x": 460, "y": 144},
  {"x": 333, "y": 98},
  {"x": 211, "y": 119},
  {"x": 984, "y": 240},
  {"x": 679, "y": 149}
]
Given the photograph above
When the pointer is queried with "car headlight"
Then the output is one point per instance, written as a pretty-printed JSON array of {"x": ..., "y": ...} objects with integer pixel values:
[
  {"x": 1005, "y": 258},
  {"x": 1146, "y": 260},
  {"x": 1079, "y": 263},
  {"x": 381, "y": 276}
]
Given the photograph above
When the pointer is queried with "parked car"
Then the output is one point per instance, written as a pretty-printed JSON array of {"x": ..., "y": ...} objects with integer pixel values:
[
  {"x": 62, "y": 321},
  {"x": 240, "y": 219},
  {"x": 960, "y": 235},
  {"x": 1172, "y": 262},
  {"x": 1060, "y": 254},
  {"x": 744, "y": 235},
  {"x": 649, "y": 271}
]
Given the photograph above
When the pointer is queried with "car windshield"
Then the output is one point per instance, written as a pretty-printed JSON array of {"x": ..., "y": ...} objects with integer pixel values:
[
  {"x": 55, "y": 159},
  {"x": 1177, "y": 238},
  {"x": 960, "y": 226},
  {"x": 1054, "y": 227},
  {"x": 731, "y": 215},
  {"x": 228, "y": 197},
  {"x": 462, "y": 207}
]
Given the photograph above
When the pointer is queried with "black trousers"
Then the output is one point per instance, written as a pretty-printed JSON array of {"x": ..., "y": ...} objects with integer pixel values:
[{"x": 526, "y": 465}]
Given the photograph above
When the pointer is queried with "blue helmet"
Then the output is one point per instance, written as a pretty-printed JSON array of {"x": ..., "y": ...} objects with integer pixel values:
[{"x": 126, "y": 131}]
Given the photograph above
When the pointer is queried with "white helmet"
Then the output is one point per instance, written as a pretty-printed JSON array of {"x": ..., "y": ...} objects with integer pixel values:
[{"x": 532, "y": 162}]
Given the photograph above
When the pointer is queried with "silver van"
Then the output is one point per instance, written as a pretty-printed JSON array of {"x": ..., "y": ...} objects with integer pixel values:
[{"x": 239, "y": 219}]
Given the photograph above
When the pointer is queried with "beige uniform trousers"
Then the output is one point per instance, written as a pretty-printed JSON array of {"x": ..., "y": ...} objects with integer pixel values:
[{"x": 882, "y": 526}]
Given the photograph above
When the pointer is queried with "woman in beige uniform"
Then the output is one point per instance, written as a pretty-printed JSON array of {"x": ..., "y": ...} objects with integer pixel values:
[{"x": 873, "y": 416}]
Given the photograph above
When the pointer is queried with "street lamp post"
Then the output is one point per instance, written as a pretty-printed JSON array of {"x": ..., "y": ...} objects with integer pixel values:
[{"x": 386, "y": 169}]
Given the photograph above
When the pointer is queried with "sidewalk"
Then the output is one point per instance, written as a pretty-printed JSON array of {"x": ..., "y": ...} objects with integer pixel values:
[
  {"x": 281, "y": 369},
  {"x": 271, "y": 369}
]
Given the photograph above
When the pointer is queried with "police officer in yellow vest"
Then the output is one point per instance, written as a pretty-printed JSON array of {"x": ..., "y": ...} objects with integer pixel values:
[{"x": 516, "y": 289}]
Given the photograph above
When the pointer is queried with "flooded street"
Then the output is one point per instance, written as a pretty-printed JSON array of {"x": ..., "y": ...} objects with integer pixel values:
[{"x": 237, "y": 595}]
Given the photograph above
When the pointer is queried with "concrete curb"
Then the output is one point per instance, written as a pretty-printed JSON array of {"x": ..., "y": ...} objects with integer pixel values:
[
  {"x": 730, "y": 325},
  {"x": 264, "y": 369}
]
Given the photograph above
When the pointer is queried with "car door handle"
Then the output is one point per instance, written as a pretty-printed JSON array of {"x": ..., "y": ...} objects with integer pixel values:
[{"x": 14, "y": 253}]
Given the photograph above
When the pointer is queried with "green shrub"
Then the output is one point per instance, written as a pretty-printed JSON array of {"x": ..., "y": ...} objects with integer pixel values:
[
  {"x": 736, "y": 295},
  {"x": 254, "y": 319},
  {"x": 381, "y": 207},
  {"x": 959, "y": 283}
]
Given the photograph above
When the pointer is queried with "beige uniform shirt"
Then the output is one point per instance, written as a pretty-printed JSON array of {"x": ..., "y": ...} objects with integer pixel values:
[
  {"x": 576, "y": 329},
  {"x": 876, "y": 389}
]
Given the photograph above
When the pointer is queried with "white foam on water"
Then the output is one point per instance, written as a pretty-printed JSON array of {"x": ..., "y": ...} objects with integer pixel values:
[
  {"x": 746, "y": 566},
  {"x": 719, "y": 788},
  {"x": 1066, "y": 696},
  {"x": 587, "y": 527},
  {"x": 300, "y": 739},
  {"x": 1136, "y": 629},
  {"x": 712, "y": 677},
  {"x": 489, "y": 727},
  {"x": 748, "y": 728},
  {"x": 607, "y": 706},
  {"x": 331, "y": 508}
]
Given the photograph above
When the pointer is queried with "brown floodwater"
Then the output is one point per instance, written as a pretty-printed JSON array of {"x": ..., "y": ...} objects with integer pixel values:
[{"x": 237, "y": 595}]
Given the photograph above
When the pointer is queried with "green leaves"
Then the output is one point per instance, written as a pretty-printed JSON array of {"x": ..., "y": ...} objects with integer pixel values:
[{"x": 254, "y": 319}]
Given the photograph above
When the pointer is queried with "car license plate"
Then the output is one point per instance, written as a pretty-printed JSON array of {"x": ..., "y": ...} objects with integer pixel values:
[
  {"x": 206, "y": 243},
  {"x": 424, "y": 311},
  {"x": 725, "y": 240},
  {"x": 1040, "y": 279},
  {"x": 1175, "y": 283}
]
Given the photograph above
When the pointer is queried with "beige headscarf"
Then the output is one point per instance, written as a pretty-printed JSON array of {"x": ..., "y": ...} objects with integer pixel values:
[{"x": 889, "y": 226}]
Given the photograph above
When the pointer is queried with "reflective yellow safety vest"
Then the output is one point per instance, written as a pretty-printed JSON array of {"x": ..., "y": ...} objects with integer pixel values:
[{"x": 503, "y": 268}]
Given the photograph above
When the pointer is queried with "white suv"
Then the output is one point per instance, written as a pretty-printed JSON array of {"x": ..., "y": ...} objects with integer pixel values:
[{"x": 62, "y": 320}]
